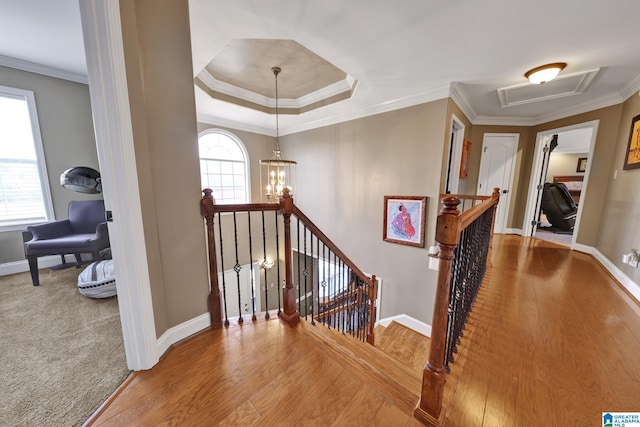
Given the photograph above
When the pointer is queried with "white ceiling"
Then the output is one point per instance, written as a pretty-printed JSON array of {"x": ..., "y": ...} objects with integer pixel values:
[{"x": 401, "y": 53}]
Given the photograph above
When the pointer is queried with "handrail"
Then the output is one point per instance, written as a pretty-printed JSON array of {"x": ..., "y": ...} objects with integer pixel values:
[
  {"x": 465, "y": 196},
  {"x": 353, "y": 316},
  {"x": 370, "y": 281},
  {"x": 315, "y": 230},
  {"x": 251, "y": 207},
  {"x": 450, "y": 226}
]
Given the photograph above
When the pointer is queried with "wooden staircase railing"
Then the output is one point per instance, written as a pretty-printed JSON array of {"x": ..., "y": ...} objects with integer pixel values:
[
  {"x": 464, "y": 240},
  {"x": 328, "y": 287}
]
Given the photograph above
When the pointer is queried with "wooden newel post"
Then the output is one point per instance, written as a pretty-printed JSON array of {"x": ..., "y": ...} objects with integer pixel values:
[
  {"x": 373, "y": 295},
  {"x": 214, "y": 301},
  {"x": 289, "y": 314},
  {"x": 433, "y": 380}
]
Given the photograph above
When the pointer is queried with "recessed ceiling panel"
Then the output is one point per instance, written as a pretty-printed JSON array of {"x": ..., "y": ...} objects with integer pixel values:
[
  {"x": 560, "y": 87},
  {"x": 241, "y": 73}
]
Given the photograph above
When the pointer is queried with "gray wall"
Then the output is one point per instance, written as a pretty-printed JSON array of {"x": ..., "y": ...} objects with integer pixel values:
[
  {"x": 157, "y": 49},
  {"x": 66, "y": 125},
  {"x": 344, "y": 172},
  {"x": 618, "y": 232}
]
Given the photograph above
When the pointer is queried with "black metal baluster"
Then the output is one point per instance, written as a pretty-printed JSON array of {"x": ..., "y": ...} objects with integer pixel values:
[
  {"x": 324, "y": 285},
  {"x": 353, "y": 299},
  {"x": 332, "y": 292},
  {"x": 315, "y": 299},
  {"x": 298, "y": 252},
  {"x": 237, "y": 268},
  {"x": 253, "y": 296},
  {"x": 224, "y": 284},
  {"x": 342, "y": 297},
  {"x": 305, "y": 273},
  {"x": 345, "y": 300},
  {"x": 265, "y": 268},
  {"x": 278, "y": 263}
]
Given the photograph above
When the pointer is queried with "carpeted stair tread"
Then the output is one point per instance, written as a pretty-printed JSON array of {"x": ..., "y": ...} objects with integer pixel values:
[{"x": 404, "y": 344}]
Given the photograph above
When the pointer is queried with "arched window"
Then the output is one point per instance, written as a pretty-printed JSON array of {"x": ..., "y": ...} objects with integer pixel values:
[{"x": 224, "y": 166}]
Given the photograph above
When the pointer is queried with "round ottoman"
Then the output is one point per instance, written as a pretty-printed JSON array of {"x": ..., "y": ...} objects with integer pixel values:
[{"x": 98, "y": 280}]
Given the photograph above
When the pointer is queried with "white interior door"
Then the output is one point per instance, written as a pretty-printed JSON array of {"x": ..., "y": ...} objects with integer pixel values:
[{"x": 496, "y": 170}]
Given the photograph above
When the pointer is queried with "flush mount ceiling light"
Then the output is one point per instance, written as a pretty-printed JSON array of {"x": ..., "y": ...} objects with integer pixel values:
[
  {"x": 276, "y": 172},
  {"x": 545, "y": 73}
]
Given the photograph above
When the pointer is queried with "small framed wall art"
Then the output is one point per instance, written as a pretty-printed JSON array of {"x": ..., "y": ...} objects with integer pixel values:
[
  {"x": 632, "y": 155},
  {"x": 404, "y": 220},
  {"x": 466, "y": 157}
]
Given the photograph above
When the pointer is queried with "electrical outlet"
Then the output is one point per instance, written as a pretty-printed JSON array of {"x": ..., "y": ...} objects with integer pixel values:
[
  {"x": 633, "y": 258},
  {"x": 633, "y": 262},
  {"x": 625, "y": 258}
]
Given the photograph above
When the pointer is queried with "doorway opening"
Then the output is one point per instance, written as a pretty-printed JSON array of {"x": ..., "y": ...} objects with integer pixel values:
[
  {"x": 452, "y": 179},
  {"x": 558, "y": 182}
]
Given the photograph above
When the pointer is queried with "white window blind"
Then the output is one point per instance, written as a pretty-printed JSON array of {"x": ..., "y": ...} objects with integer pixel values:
[{"x": 24, "y": 190}]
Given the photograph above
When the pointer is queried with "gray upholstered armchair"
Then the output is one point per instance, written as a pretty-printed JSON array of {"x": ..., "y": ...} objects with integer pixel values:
[{"x": 85, "y": 231}]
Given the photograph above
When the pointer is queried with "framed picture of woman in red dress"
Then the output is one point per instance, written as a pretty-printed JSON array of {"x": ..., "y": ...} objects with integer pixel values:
[{"x": 404, "y": 220}]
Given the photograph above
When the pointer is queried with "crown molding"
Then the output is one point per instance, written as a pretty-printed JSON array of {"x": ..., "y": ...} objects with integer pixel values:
[
  {"x": 45, "y": 70},
  {"x": 503, "y": 121},
  {"x": 461, "y": 99},
  {"x": 232, "y": 124},
  {"x": 433, "y": 94},
  {"x": 602, "y": 102},
  {"x": 345, "y": 85},
  {"x": 630, "y": 88}
]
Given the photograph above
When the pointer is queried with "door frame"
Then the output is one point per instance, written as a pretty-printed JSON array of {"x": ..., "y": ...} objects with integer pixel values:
[
  {"x": 514, "y": 157},
  {"x": 537, "y": 162},
  {"x": 454, "y": 156}
]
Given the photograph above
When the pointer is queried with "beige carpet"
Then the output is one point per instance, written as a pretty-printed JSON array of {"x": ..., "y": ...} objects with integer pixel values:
[{"x": 61, "y": 353}]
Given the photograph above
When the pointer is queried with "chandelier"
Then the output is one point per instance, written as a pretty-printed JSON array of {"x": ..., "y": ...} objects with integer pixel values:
[{"x": 276, "y": 173}]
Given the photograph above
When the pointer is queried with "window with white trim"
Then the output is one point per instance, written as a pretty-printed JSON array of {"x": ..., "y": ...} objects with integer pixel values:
[
  {"x": 224, "y": 166},
  {"x": 25, "y": 197}
]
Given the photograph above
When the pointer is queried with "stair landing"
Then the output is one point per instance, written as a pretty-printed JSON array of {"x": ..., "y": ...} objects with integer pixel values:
[{"x": 409, "y": 347}]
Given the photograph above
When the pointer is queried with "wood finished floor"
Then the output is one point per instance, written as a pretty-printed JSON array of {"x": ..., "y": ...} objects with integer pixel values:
[{"x": 552, "y": 341}]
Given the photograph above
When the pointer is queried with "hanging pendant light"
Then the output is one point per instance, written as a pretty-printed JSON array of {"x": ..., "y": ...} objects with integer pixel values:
[{"x": 276, "y": 173}]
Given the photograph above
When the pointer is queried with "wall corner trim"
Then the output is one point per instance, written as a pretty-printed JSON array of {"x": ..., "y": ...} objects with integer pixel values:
[
  {"x": 182, "y": 331},
  {"x": 409, "y": 322}
]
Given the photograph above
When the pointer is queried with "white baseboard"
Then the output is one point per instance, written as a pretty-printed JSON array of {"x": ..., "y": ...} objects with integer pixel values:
[
  {"x": 23, "y": 265},
  {"x": 517, "y": 231},
  {"x": 182, "y": 331},
  {"x": 586, "y": 249},
  {"x": 631, "y": 286},
  {"x": 409, "y": 322}
]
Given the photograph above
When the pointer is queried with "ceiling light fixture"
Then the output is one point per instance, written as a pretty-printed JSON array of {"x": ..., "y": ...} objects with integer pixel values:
[
  {"x": 276, "y": 173},
  {"x": 545, "y": 73}
]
